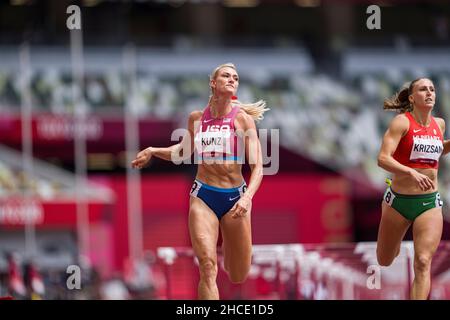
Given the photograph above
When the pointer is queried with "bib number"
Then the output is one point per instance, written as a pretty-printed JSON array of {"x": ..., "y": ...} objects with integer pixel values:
[{"x": 389, "y": 197}]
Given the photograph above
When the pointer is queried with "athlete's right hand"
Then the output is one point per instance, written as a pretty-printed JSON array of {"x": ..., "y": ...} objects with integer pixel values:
[
  {"x": 142, "y": 158},
  {"x": 424, "y": 182}
]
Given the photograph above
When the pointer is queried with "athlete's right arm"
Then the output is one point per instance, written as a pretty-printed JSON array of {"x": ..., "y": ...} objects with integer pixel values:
[
  {"x": 397, "y": 129},
  {"x": 181, "y": 150}
]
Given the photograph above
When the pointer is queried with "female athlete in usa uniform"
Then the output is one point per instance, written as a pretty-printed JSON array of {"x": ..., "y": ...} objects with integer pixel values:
[
  {"x": 222, "y": 135},
  {"x": 410, "y": 150}
]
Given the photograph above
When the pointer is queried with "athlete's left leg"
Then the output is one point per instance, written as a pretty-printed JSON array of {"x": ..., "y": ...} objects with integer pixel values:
[
  {"x": 237, "y": 246},
  {"x": 427, "y": 232}
]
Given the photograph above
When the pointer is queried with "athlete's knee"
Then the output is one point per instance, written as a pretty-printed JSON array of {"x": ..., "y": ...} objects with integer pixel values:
[
  {"x": 239, "y": 276},
  {"x": 384, "y": 260},
  {"x": 226, "y": 266},
  {"x": 422, "y": 262},
  {"x": 208, "y": 268}
]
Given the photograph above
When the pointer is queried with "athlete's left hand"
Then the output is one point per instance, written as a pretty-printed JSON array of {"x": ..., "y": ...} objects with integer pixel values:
[{"x": 241, "y": 208}]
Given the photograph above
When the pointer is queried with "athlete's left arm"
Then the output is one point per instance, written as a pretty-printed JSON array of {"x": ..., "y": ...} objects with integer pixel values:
[
  {"x": 446, "y": 143},
  {"x": 253, "y": 155}
]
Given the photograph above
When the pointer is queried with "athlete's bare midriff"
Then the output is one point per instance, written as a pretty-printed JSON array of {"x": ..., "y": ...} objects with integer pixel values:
[
  {"x": 405, "y": 184},
  {"x": 226, "y": 175}
]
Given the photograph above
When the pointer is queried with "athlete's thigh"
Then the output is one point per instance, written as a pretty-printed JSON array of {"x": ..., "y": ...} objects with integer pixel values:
[
  {"x": 237, "y": 238},
  {"x": 203, "y": 229},
  {"x": 392, "y": 229},
  {"x": 427, "y": 231}
]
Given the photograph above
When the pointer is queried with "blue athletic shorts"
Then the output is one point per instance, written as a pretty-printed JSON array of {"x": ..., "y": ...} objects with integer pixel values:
[{"x": 219, "y": 200}]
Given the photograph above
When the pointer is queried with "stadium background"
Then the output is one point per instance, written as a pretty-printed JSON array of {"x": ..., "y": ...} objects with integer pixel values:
[{"x": 72, "y": 106}]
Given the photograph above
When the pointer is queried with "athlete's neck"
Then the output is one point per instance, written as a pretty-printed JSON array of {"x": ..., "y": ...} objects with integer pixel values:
[
  {"x": 220, "y": 106},
  {"x": 422, "y": 117}
]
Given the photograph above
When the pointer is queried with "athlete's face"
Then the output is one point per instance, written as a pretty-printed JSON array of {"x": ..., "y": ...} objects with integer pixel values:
[
  {"x": 226, "y": 82},
  {"x": 423, "y": 95}
]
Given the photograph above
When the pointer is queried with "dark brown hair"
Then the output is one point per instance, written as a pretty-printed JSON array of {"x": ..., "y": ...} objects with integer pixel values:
[{"x": 400, "y": 102}]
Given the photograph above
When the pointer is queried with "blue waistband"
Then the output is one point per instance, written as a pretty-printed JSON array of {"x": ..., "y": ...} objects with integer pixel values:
[
  {"x": 219, "y": 157},
  {"x": 220, "y": 189}
]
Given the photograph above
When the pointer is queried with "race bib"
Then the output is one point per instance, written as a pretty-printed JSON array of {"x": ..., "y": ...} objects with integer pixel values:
[
  {"x": 216, "y": 141},
  {"x": 389, "y": 196},
  {"x": 426, "y": 150}
]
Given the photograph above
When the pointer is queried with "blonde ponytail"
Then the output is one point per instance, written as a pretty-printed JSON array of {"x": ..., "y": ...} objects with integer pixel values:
[{"x": 255, "y": 110}]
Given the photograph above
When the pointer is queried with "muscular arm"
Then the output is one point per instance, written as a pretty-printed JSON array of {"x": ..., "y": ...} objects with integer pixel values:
[
  {"x": 179, "y": 151},
  {"x": 446, "y": 143},
  {"x": 183, "y": 149},
  {"x": 252, "y": 152},
  {"x": 254, "y": 157},
  {"x": 397, "y": 129},
  {"x": 446, "y": 147}
]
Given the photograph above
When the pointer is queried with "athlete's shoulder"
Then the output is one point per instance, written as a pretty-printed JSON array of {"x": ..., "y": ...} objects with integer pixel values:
[
  {"x": 241, "y": 114},
  {"x": 441, "y": 123},
  {"x": 400, "y": 120},
  {"x": 244, "y": 116},
  {"x": 195, "y": 115},
  {"x": 399, "y": 125},
  {"x": 245, "y": 120}
]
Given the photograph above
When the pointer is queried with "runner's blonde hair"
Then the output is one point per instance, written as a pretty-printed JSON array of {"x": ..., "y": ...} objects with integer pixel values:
[{"x": 255, "y": 110}]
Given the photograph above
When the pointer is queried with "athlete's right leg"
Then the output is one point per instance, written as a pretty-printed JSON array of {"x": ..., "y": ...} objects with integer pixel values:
[
  {"x": 237, "y": 246},
  {"x": 427, "y": 232},
  {"x": 204, "y": 232},
  {"x": 392, "y": 229}
]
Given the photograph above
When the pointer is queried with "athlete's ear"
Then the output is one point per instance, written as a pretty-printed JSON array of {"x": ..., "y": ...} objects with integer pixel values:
[
  {"x": 411, "y": 99},
  {"x": 212, "y": 84}
]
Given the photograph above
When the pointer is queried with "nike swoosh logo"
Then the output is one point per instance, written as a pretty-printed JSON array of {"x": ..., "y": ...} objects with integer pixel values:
[
  {"x": 426, "y": 203},
  {"x": 231, "y": 199},
  {"x": 415, "y": 131},
  {"x": 209, "y": 120}
]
